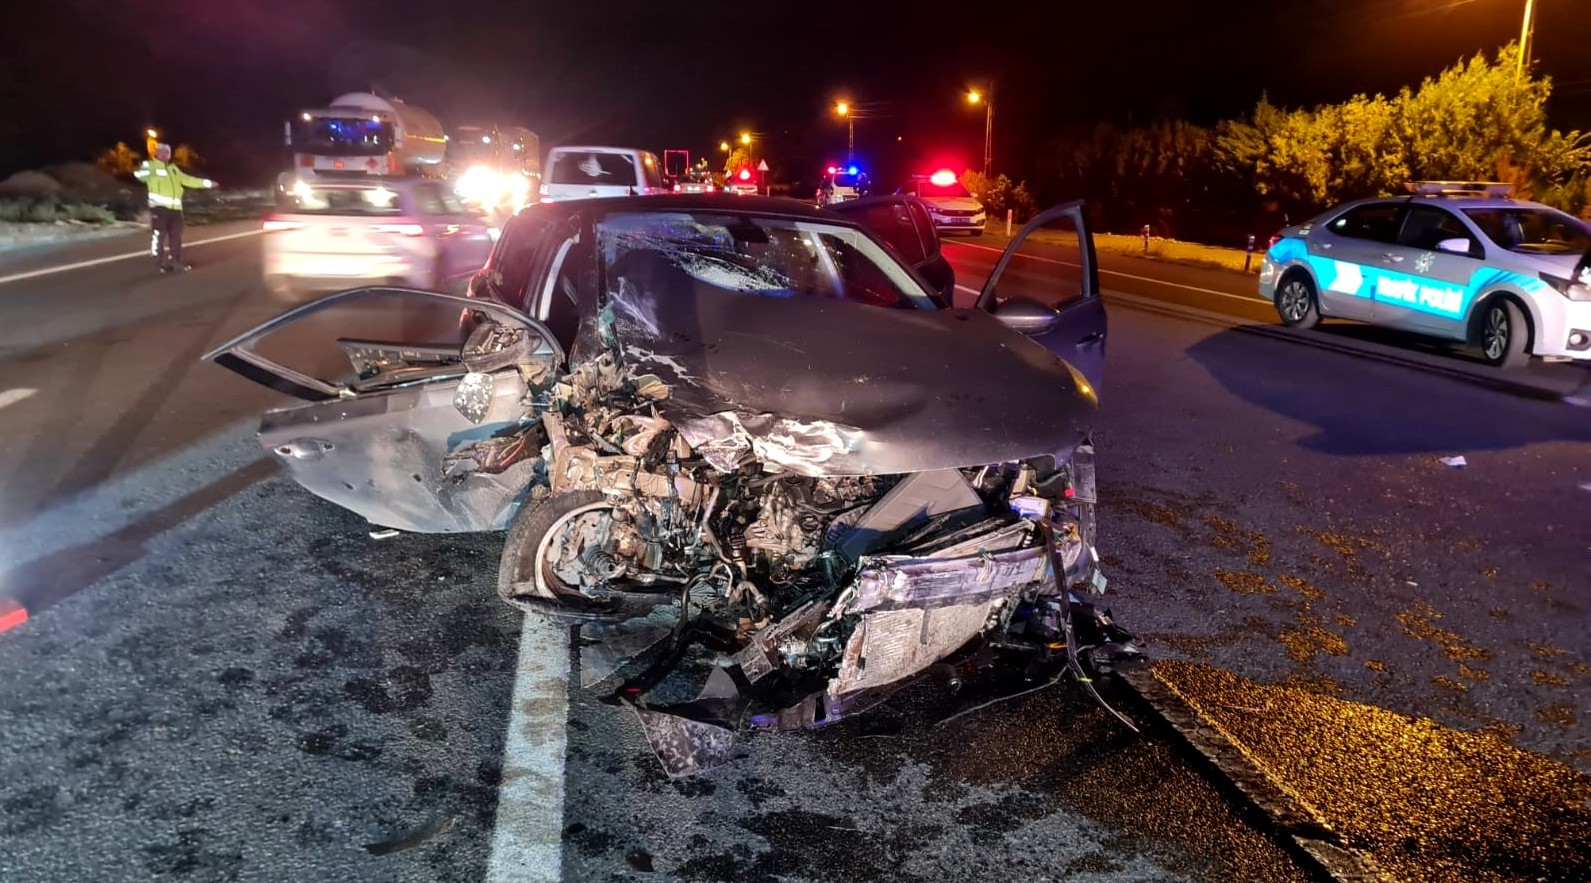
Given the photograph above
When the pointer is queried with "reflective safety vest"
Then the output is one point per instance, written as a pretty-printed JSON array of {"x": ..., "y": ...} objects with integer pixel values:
[{"x": 166, "y": 183}]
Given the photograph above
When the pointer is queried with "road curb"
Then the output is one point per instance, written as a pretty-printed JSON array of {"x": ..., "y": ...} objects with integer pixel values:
[
  {"x": 1373, "y": 352},
  {"x": 1311, "y": 835}
]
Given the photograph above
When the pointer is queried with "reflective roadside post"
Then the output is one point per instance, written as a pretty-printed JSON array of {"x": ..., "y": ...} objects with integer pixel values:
[
  {"x": 1008, "y": 223},
  {"x": 1248, "y": 255},
  {"x": 1146, "y": 239}
]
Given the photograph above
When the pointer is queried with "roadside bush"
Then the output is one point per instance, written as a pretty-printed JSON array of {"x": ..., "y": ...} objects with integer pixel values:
[
  {"x": 998, "y": 194},
  {"x": 49, "y": 211}
]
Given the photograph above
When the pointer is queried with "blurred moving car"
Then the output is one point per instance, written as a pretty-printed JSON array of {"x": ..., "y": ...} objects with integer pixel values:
[
  {"x": 949, "y": 201},
  {"x": 586, "y": 172},
  {"x": 952, "y": 205},
  {"x": 330, "y": 235},
  {"x": 842, "y": 185},
  {"x": 1456, "y": 260}
]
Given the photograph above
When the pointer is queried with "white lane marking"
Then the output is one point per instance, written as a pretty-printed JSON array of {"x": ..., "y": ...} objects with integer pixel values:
[
  {"x": 1243, "y": 297},
  {"x": 18, "y": 277},
  {"x": 527, "y": 840},
  {"x": 12, "y": 396}
]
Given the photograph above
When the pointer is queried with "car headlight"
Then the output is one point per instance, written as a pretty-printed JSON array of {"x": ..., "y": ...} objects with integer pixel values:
[
  {"x": 1576, "y": 291},
  {"x": 480, "y": 184}
]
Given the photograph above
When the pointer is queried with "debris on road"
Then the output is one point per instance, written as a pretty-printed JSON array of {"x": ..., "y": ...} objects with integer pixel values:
[
  {"x": 1457, "y": 462},
  {"x": 384, "y": 533}
]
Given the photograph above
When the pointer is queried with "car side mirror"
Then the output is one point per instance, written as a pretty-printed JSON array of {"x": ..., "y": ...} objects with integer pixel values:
[
  {"x": 1456, "y": 245},
  {"x": 1026, "y": 315}
]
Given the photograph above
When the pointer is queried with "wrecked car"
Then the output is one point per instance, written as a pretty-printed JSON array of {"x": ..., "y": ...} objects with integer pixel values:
[{"x": 739, "y": 444}]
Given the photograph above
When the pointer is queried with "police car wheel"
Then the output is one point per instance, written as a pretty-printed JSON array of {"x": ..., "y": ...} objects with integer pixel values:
[
  {"x": 1504, "y": 335},
  {"x": 1295, "y": 303}
]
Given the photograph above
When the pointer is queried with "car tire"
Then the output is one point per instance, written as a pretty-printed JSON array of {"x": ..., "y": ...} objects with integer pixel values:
[
  {"x": 1504, "y": 334},
  {"x": 1296, "y": 302},
  {"x": 518, "y": 583}
]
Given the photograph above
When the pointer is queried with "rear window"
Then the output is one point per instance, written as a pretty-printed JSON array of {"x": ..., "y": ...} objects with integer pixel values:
[
  {"x": 434, "y": 199},
  {"x": 848, "y": 180},
  {"x": 596, "y": 168},
  {"x": 343, "y": 199}
]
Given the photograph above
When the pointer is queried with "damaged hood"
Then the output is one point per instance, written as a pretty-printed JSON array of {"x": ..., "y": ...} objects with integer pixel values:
[{"x": 826, "y": 387}]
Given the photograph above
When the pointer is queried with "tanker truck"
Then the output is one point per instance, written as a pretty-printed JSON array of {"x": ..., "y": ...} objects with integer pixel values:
[{"x": 365, "y": 134}]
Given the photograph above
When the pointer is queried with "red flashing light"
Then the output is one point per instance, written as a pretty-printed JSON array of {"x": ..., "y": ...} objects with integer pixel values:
[
  {"x": 12, "y": 614},
  {"x": 942, "y": 178},
  {"x": 745, "y": 174},
  {"x": 833, "y": 169}
]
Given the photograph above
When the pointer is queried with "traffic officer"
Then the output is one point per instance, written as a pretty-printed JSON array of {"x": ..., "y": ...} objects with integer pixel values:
[{"x": 166, "y": 183}]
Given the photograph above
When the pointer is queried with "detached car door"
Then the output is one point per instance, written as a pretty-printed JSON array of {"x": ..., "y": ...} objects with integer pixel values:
[
  {"x": 1046, "y": 285},
  {"x": 407, "y": 415}
]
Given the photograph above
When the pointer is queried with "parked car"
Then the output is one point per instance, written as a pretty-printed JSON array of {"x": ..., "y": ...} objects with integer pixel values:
[
  {"x": 587, "y": 172},
  {"x": 905, "y": 223},
  {"x": 330, "y": 235},
  {"x": 748, "y": 428},
  {"x": 1452, "y": 260},
  {"x": 954, "y": 208}
]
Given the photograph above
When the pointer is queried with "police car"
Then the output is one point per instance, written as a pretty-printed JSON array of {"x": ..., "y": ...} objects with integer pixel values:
[
  {"x": 952, "y": 205},
  {"x": 1457, "y": 260}
]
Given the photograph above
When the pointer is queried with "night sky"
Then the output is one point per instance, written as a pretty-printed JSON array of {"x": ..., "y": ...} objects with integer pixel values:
[{"x": 223, "y": 74}]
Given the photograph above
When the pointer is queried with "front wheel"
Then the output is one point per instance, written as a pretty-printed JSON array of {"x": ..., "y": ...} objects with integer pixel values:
[
  {"x": 560, "y": 561},
  {"x": 1504, "y": 335},
  {"x": 1296, "y": 304}
]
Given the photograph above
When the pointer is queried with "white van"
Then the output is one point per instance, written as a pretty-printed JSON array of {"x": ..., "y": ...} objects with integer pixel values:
[{"x": 585, "y": 172}]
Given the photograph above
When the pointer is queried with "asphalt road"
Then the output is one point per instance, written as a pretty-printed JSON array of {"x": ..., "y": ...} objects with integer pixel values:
[{"x": 224, "y": 678}]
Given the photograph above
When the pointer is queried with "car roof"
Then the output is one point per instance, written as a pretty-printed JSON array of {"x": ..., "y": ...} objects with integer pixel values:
[
  {"x": 780, "y": 206},
  {"x": 597, "y": 148},
  {"x": 1451, "y": 201}
]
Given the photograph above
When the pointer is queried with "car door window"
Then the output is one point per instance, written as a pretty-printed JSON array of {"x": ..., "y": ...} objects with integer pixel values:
[
  {"x": 1426, "y": 226},
  {"x": 573, "y": 270},
  {"x": 1377, "y": 222}
]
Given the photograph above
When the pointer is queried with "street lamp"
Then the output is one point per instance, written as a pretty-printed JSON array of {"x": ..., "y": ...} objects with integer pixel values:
[
  {"x": 843, "y": 108},
  {"x": 723, "y": 146},
  {"x": 1526, "y": 31},
  {"x": 986, "y": 98},
  {"x": 745, "y": 138}
]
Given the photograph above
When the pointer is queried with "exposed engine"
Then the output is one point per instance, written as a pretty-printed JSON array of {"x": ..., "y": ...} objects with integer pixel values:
[{"x": 818, "y": 595}]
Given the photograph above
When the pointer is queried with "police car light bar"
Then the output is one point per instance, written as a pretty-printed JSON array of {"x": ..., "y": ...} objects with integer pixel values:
[{"x": 1492, "y": 189}]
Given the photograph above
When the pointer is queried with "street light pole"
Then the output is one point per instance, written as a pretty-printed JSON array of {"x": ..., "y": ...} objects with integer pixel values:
[
  {"x": 844, "y": 109},
  {"x": 1526, "y": 31},
  {"x": 986, "y": 98}
]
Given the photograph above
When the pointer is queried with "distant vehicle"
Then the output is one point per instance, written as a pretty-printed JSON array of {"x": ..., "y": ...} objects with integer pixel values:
[
  {"x": 952, "y": 205},
  {"x": 585, "y": 172},
  {"x": 496, "y": 168},
  {"x": 1455, "y": 260},
  {"x": 365, "y": 134},
  {"x": 743, "y": 183},
  {"x": 331, "y": 235},
  {"x": 842, "y": 184},
  {"x": 696, "y": 182}
]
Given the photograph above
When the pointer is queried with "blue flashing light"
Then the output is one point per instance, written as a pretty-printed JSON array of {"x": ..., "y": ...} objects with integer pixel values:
[{"x": 851, "y": 171}]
